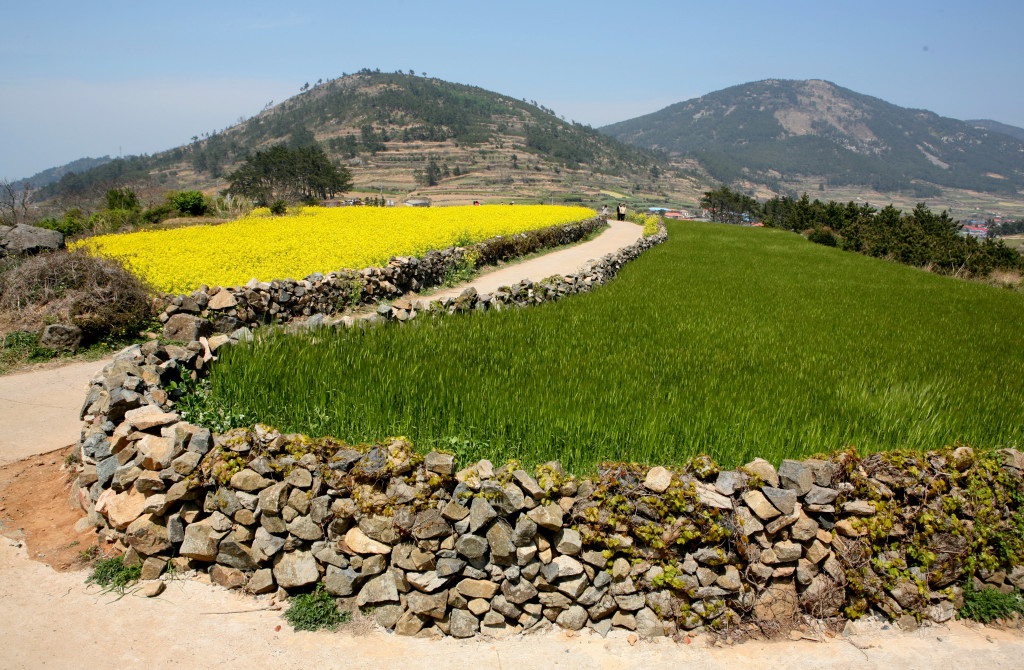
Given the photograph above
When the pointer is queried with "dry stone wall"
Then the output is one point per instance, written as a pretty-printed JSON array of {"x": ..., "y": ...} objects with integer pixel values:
[
  {"x": 437, "y": 547},
  {"x": 226, "y": 309}
]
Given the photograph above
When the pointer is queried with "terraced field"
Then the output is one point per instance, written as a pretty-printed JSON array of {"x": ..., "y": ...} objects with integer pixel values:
[{"x": 730, "y": 341}]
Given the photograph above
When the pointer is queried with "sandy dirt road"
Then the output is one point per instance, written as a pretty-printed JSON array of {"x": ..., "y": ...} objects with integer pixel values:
[
  {"x": 39, "y": 408},
  {"x": 564, "y": 261},
  {"x": 51, "y": 619}
]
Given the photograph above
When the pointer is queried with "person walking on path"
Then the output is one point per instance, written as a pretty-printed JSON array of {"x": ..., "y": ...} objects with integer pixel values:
[
  {"x": 621, "y": 211},
  {"x": 604, "y": 211}
]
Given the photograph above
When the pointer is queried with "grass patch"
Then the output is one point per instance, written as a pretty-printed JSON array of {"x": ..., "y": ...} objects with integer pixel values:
[
  {"x": 990, "y": 604},
  {"x": 315, "y": 610},
  {"x": 729, "y": 341},
  {"x": 112, "y": 574}
]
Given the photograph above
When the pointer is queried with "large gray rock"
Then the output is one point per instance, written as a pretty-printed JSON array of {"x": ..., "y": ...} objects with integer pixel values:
[
  {"x": 481, "y": 513},
  {"x": 296, "y": 568},
  {"x": 503, "y": 552},
  {"x": 796, "y": 476},
  {"x": 61, "y": 337},
  {"x": 463, "y": 624},
  {"x": 784, "y": 500},
  {"x": 471, "y": 546},
  {"x": 187, "y": 328},
  {"x": 573, "y": 618},
  {"x": 648, "y": 625},
  {"x": 25, "y": 240},
  {"x": 201, "y": 542},
  {"x": 380, "y": 589}
]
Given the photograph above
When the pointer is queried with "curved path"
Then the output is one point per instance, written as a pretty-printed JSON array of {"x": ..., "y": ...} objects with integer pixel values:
[
  {"x": 564, "y": 261},
  {"x": 39, "y": 408}
]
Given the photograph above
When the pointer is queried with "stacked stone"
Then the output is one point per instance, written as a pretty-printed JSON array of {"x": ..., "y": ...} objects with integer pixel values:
[
  {"x": 283, "y": 300},
  {"x": 523, "y": 293},
  {"x": 130, "y": 422},
  {"x": 493, "y": 550}
]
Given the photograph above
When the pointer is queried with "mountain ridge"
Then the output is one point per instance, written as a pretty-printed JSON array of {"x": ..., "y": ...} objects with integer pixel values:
[{"x": 778, "y": 130}]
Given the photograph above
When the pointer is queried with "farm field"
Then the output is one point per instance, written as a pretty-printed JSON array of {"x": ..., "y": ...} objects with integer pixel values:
[
  {"x": 730, "y": 341},
  {"x": 313, "y": 239}
]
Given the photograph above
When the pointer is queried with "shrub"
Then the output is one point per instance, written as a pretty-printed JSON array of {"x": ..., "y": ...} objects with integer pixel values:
[
  {"x": 97, "y": 294},
  {"x": 990, "y": 604},
  {"x": 72, "y": 223},
  {"x": 122, "y": 198},
  {"x": 113, "y": 575},
  {"x": 316, "y": 610},
  {"x": 823, "y": 237},
  {"x": 158, "y": 213},
  {"x": 279, "y": 207},
  {"x": 192, "y": 203}
]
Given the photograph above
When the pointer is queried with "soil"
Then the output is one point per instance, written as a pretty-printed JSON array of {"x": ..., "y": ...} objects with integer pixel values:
[{"x": 34, "y": 508}]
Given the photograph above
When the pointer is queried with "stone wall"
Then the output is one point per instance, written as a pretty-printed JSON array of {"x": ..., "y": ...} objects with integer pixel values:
[
  {"x": 435, "y": 549},
  {"x": 285, "y": 300}
]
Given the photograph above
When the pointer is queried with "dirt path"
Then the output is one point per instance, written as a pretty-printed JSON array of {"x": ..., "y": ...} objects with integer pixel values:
[
  {"x": 52, "y": 619},
  {"x": 564, "y": 261},
  {"x": 39, "y": 408}
]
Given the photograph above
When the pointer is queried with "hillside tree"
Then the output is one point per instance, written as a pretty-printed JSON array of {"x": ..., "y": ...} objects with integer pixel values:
[{"x": 280, "y": 173}]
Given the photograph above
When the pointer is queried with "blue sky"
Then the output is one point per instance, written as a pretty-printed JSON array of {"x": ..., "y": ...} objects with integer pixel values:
[{"x": 88, "y": 79}]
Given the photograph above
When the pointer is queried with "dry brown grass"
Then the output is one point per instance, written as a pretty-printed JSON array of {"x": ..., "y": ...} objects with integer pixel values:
[{"x": 96, "y": 294}]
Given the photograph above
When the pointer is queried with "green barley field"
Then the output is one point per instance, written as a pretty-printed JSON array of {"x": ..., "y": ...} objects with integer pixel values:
[{"x": 729, "y": 341}]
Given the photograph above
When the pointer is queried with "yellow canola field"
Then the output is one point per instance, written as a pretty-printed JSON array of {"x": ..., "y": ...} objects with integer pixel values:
[{"x": 313, "y": 239}]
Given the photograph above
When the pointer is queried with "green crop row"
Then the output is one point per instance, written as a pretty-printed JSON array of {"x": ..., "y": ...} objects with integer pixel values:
[{"x": 729, "y": 341}]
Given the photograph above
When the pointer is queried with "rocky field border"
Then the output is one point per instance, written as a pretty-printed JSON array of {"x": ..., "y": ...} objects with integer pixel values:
[
  {"x": 210, "y": 310},
  {"x": 432, "y": 549}
]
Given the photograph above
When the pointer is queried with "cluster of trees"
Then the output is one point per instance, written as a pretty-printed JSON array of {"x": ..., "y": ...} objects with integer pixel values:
[
  {"x": 728, "y": 206},
  {"x": 920, "y": 238},
  {"x": 1008, "y": 228},
  {"x": 303, "y": 174}
]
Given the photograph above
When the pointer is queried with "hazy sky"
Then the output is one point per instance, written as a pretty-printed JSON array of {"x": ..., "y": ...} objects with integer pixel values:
[{"x": 94, "y": 78}]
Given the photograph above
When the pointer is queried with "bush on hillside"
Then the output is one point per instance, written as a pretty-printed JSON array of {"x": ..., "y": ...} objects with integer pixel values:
[
  {"x": 192, "y": 203},
  {"x": 99, "y": 295},
  {"x": 824, "y": 237}
]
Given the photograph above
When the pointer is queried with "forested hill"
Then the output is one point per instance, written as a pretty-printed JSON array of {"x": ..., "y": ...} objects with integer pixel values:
[
  {"x": 1004, "y": 128},
  {"x": 780, "y": 130},
  {"x": 392, "y": 121},
  {"x": 51, "y": 175}
]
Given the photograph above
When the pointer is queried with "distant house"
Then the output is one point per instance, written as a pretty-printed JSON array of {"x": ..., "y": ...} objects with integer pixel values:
[
  {"x": 974, "y": 229},
  {"x": 418, "y": 202}
]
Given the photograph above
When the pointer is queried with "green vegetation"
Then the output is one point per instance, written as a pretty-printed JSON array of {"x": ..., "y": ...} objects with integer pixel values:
[
  {"x": 315, "y": 610},
  {"x": 919, "y": 238},
  {"x": 776, "y": 130},
  {"x": 990, "y": 604},
  {"x": 729, "y": 341},
  {"x": 302, "y": 174},
  {"x": 113, "y": 575}
]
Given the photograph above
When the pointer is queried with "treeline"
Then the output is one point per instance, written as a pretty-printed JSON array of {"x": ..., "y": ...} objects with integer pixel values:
[
  {"x": 920, "y": 238},
  {"x": 1008, "y": 228}
]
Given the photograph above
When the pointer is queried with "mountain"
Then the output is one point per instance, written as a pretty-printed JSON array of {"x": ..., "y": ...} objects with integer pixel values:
[
  {"x": 777, "y": 131},
  {"x": 1004, "y": 128},
  {"x": 51, "y": 175},
  {"x": 398, "y": 133}
]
